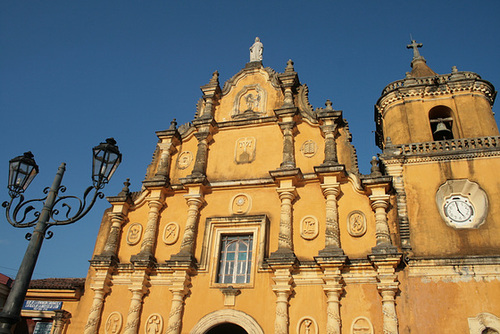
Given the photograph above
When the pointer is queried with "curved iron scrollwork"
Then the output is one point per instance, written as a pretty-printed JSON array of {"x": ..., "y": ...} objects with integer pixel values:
[{"x": 71, "y": 208}]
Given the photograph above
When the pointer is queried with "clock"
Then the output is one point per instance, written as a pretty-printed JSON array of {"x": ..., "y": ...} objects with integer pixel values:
[{"x": 458, "y": 209}]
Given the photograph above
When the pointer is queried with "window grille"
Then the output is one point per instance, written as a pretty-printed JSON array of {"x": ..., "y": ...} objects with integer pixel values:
[{"x": 235, "y": 259}]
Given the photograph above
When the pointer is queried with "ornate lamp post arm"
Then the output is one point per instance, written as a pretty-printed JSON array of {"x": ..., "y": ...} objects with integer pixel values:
[{"x": 106, "y": 159}]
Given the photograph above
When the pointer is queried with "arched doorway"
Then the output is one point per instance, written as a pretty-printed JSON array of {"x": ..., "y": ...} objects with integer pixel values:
[
  {"x": 227, "y": 328},
  {"x": 227, "y": 321}
]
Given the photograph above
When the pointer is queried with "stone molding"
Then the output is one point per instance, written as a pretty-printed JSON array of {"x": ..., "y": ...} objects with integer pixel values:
[{"x": 483, "y": 321}]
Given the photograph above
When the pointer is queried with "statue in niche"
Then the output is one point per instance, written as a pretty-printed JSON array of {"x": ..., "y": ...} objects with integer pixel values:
[{"x": 256, "y": 50}]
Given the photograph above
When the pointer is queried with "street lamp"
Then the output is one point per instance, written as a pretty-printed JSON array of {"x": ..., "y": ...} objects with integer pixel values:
[{"x": 22, "y": 170}]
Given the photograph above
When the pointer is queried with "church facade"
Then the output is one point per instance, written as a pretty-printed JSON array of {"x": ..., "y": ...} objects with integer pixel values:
[{"x": 254, "y": 217}]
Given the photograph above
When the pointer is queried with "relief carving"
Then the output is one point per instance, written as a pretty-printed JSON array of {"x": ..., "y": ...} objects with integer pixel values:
[
  {"x": 134, "y": 234},
  {"x": 307, "y": 325},
  {"x": 309, "y": 227},
  {"x": 240, "y": 204},
  {"x": 184, "y": 160},
  {"x": 171, "y": 233},
  {"x": 309, "y": 148},
  {"x": 154, "y": 324},
  {"x": 361, "y": 325},
  {"x": 250, "y": 102},
  {"x": 244, "y": 152},
  {"x": 356, "y": 223},
  {"x": 114, "y": 323}
]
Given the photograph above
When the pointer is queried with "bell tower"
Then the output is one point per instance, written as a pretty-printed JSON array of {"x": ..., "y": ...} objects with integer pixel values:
[
  {"x": 426, "y": 107},
  {"x": 441, "y": 145}
]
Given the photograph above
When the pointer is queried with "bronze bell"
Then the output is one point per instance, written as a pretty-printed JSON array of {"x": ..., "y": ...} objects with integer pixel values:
[{"x": 442, "y": 132}]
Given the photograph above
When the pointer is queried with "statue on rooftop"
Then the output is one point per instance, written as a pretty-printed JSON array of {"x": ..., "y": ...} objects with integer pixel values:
[{"x": 256, "y": 50}]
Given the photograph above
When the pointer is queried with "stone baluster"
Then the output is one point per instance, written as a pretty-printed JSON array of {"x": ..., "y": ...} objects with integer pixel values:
[
  {"x": 288, "y": 145},
  {"x": 379, "y": 204},
  {"x": 330, "y": 144},
  {"x": 283, "y": 289},
  {"x": 111, "y": 246},
  {"x": 285, "y": 237},
  {"x": 179, "y": 289},
  {"x": 165, "y": 159}
]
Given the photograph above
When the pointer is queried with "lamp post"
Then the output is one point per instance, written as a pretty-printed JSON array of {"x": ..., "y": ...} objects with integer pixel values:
[{"x": 22, "y": 170}]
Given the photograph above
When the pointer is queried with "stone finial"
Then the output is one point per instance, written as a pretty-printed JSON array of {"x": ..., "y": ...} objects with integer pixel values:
[
  {"x": 289, "y": 66},
  {"x": 375, "y": 170},
  {"x": 215, "y": 78},
  {"x": 125, "y": 190},
  {"x": 414, "y": 45},
  {"x": 408, "y": 75},
  {"x": 173, "y": 125},
  {"x": 388, "y": 141},
  {"x": 256, "y": 50},
  {"x": 328, "y": 105},
  {"x": 454, "y": 69}
]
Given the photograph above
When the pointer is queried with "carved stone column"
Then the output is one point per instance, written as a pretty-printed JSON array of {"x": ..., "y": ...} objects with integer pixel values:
[
  {"x": 180, "y": 283},
  {"x": 200, "y": 163},
  {"x": 329, "y": 119},
  {"x": 101, "y": 287},
  {"x": 138, "y": 289},
  {"x": 111, "y": 246},
  {"x": 285, "y": 237},
  {"x": 61, "y": 319},
  {"x": 194, "y": 202},
  {"x": 288, "y": 145},
  {"x": 283, "y": 289},
  {"x": 155, "y": 203},
  {"x": 379, "y": 204},
  {"x": 388, "y": 287},
  {"x": 167, "y": 149},
  {"x": 332, "y": 233}
]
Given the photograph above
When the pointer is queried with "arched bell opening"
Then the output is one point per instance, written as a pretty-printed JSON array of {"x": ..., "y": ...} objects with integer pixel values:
[
  {"x": 226, "y": 328},
  {"x": 441, "y": 123}
]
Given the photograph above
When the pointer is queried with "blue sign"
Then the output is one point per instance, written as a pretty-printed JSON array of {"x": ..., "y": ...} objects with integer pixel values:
[{"x": 41, "y": 305}]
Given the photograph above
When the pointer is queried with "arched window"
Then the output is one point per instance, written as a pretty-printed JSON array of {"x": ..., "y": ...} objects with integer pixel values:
[{"x": 441, "y": 121}]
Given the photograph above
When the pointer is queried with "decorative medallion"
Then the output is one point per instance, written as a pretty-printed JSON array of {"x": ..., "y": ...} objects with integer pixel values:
[
  {"x": 361, "y": 325},
  {"x": 134, "y": 234},
  {"x": 309, "y": 148},
  {"x": 154, "y": 324},
  {"x": 184, "y": 160},
  {"x": 171, "y": 233},
  {"x": 114, "y": 323},
  {"x": 244, "y": 152},
  {"x": 240, "y": 204},
  {"x": 462, "y": 204},
  {"x": 309, "y": 227},
  {"x": 307, "y": 325},
  {"x": 250, "y": 102},
  {"x": 356, "y": 223}
]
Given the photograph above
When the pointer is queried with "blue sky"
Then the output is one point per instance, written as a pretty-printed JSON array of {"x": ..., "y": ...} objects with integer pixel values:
[{"x": 73, "y": 73}]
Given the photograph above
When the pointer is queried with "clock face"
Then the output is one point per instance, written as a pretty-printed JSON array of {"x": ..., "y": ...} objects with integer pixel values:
[{"x": 459, "y": 209}]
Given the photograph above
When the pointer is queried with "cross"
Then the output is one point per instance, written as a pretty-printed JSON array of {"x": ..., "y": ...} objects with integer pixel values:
[{"x": 414, "y": 45}]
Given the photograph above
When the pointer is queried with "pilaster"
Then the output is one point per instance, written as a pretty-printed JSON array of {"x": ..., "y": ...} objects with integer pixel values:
[
  {"x": 329, "y": 120},
  {"x": 283, "y": 288},
  {"x": 195, "y": 201},
  {"x": 181, "y": 281},
  {"x": 101, "y": 286},
  {"x": 61, "y": 320},
  {"x": 333, "y": 288},
  {"x": 287, "y": 192},
  {"x": 388, "y": 287},
  {"x": 156, "y": 202},
  {"x": 139, "y": 287}
]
